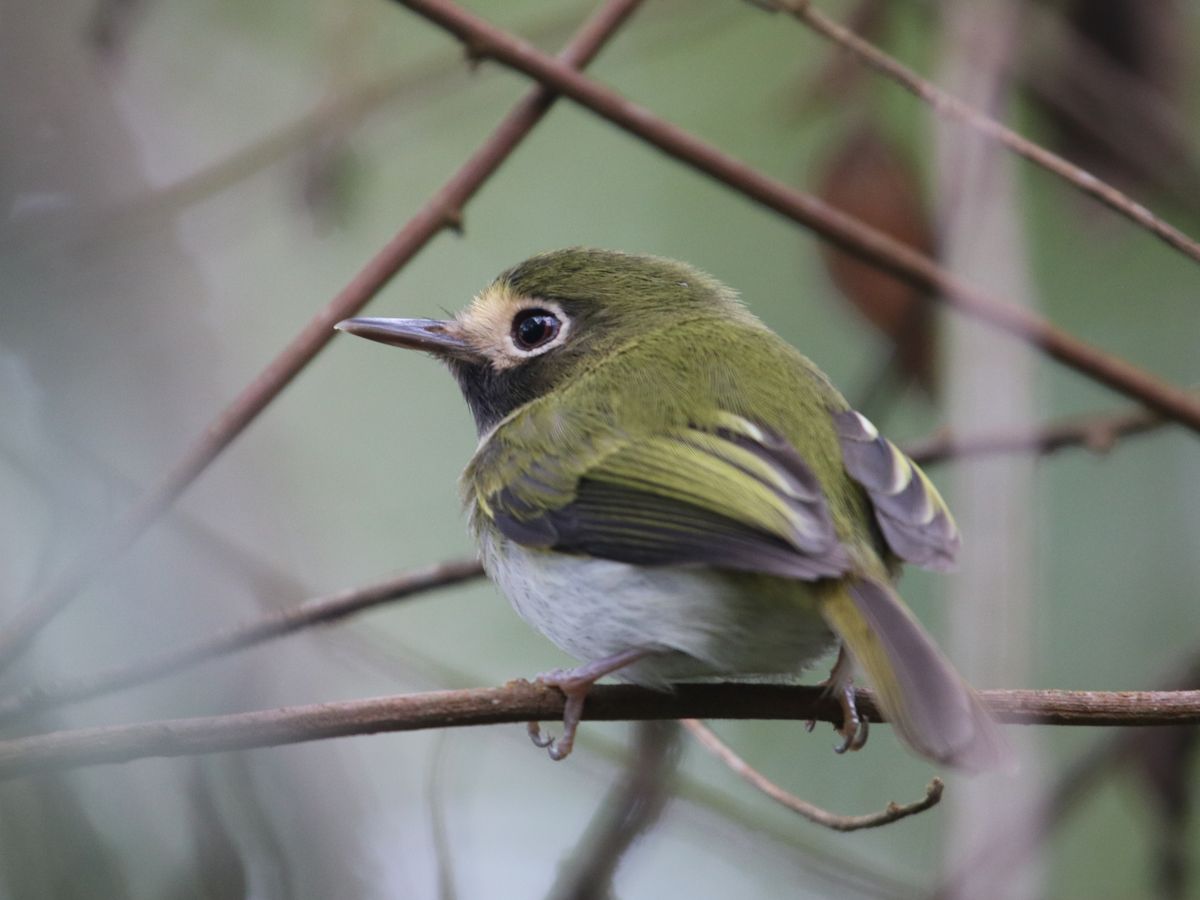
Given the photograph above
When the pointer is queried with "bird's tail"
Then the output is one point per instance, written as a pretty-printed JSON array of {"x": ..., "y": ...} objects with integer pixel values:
[{"x": 934, "y": 711}]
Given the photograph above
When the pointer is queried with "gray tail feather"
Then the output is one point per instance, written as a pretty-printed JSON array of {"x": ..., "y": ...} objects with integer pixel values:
[{"x": 929, "y": 704}]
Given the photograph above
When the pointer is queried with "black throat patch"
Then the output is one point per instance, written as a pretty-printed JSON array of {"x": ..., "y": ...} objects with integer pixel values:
[{"x": 492, "y": 394}]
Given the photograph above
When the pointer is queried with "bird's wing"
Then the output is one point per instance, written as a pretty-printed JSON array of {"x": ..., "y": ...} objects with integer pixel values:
[
  {"x": 915, "y": 521},
  {"x": 734, "y": 496}
]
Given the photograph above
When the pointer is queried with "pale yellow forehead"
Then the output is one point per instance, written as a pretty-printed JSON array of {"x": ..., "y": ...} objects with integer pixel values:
[{"x": 487, "y": 324}]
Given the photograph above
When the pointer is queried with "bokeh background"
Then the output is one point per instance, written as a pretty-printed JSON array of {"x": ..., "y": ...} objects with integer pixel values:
[{"x": 183, "y": 184}]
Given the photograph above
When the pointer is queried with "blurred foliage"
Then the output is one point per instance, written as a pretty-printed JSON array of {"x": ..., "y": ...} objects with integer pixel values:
[{"x": 119, "y": 345}]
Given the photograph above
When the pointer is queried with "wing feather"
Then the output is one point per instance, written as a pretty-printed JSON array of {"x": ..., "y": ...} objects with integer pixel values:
[
  {"x": 915, "y": 521},
  {"x": 735, "y": 496}
]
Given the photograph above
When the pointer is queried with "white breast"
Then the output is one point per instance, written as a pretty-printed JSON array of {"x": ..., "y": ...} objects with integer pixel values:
[{"x": 707, "y": 623}]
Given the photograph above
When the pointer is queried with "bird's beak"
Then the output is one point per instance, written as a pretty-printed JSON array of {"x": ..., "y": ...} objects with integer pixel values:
[{"x": 431, "y": 335}]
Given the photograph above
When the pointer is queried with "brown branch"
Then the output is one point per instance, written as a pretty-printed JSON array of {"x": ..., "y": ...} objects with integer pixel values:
[
  {"x": 845, "y": 231},
  {"x": 951, "y": 107},
  {"x": 443, "y": 210},
  {"x": 1095, "y": 432},
  {"x": 320, "y": 611},
  {"x": 893, "y": 812},
  {"x": 521, "y": 701}
]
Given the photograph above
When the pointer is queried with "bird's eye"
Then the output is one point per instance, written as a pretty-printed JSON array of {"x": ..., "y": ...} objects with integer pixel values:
[{"x": 531, "y": 328}]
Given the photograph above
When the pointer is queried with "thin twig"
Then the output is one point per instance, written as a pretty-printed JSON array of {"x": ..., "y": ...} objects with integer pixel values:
[
  {"x": 951, "y": 107},
  {"x": 443, "y": 210},
  {"x": 319, "y": 611},
  {"x": 1095, "y": 432},
  {"x": 521, "y": 701},
  {"x": 845, "y": 231},
  {"x": 892, "y": 813}
]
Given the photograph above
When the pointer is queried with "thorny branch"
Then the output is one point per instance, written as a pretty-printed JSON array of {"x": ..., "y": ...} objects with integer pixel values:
[
  {"x": 951, "y": 107},
  {"x": 520, "y": 701},
  {"x": 893, "y": 812},
  {"x": 443, "y": 210}
]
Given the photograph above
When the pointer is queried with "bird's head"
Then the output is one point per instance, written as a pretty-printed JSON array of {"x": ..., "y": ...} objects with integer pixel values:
[{"x": 545, "y": 321}]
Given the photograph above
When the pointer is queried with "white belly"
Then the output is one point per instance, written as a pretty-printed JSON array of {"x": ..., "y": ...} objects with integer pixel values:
[{"x": 706, "y": 623}]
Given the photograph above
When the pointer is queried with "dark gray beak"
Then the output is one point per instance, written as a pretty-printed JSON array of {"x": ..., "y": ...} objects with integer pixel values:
[{"x": 431, "y": 335}]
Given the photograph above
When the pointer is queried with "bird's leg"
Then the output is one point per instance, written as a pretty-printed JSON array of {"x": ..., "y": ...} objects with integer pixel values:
[
  {"x": 575, "y": 684},
  {"x": 854, "y": 730}
]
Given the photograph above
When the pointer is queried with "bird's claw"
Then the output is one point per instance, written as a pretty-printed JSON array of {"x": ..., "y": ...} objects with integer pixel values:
[
  {"x": 575, "y": 684},
  {"x": 854, "y": 729},
  {"x": 535, "y": 735},
  {"x": 556, "y": 748}
]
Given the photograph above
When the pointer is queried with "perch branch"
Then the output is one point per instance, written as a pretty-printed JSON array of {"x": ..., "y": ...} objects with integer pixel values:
[
  {"x": 892, "y": 813},
  {"x": 521, "y": 701},
  {"x": 443, "y": 210},
  {"x": 951, "y": 107},
  {"x": 845, "y": 231}
]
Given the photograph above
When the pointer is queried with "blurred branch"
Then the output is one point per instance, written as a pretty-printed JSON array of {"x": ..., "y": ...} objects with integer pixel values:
[
  {"x": 340, "y": 113},
  {"x": 951, "y": 107},
  {"x": 1130, "y": 116},
  {"x": 521, "y": 701},
  {"x": 320, "y": 611},
  {"x": 443, "y": 210},
  {"x": 631, "y": 809},
  {"x": 1095, "y": 432},
  {"x": 892, "y": 813},
  {"x": 442, "y": 845},
  {"x": 852, "y": 235}
]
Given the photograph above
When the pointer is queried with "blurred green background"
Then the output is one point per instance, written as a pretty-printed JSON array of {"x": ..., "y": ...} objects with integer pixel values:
[{"x": 133, "y": 309}]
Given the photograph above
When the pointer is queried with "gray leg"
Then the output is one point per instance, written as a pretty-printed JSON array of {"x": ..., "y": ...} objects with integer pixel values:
[
  {"x": 575, "y": 684},
  {"x": 853, "y": 730}
]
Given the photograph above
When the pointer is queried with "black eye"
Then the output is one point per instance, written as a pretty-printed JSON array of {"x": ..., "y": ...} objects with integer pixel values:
[{"x": 533, "y": 327}]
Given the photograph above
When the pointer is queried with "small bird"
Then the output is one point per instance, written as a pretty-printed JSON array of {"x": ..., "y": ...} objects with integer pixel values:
[{"x": 669, "y": 491}]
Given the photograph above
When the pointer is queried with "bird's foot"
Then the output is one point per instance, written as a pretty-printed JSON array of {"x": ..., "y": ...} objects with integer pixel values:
[
  {"x": 575, "y": 684},
  {"x": 853, "y": 729}
]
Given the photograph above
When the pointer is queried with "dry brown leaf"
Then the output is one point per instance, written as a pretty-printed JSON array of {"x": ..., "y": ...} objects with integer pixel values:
[{"x": 868, "y": 177}]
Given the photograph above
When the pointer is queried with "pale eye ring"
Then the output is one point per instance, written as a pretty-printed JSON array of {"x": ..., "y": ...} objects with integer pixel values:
[{"x": 534, "y": 327}]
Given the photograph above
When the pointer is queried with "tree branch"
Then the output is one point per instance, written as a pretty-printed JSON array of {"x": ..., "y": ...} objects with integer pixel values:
[
  {"x": 893, "y": 812},
  {"x": 1095, "y": 432},
  {"x": 951, "y": 107},
  {"x": 521, "y": 701},
  {"x": 847, "y": 232},
  {"x": 443, "y": 210},
  {"x": 319, "y": 611}
]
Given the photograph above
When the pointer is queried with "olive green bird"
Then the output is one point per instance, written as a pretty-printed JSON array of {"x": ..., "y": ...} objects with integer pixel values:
[{"x": 669, "y": 491}]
